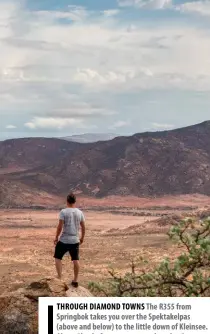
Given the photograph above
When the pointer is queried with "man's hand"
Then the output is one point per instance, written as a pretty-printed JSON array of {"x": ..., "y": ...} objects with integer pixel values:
[
  {"x": 59, "y": 230},
  {"x": 81, "y": 241}
]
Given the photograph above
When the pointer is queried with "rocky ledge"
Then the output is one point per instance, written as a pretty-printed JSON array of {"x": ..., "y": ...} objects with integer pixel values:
[{"x": 19, "y": 309}]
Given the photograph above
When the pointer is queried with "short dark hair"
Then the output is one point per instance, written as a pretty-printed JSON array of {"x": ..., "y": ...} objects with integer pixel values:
[{"x": 71, "y": 198}]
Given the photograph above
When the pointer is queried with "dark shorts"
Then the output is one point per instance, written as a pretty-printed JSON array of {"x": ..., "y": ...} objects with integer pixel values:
[{"x": 61, "y": 249}]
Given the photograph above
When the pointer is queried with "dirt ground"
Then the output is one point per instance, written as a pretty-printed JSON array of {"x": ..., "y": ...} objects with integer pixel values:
[
  {"x": 182, "y": 201},
  {"x": 26, "y": 246}
]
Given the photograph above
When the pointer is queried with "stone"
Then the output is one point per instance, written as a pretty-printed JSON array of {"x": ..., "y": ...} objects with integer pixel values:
[{"x": 19, "y": 309}]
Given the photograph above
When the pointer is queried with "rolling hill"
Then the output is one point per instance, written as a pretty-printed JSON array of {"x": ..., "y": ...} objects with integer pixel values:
[
  {"x": 90, "y": 137},
  {"x": 171, "y": 162}
]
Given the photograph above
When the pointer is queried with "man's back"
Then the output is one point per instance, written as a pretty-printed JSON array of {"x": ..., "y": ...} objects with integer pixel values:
[
  {"x": 72, "y": 218},
  {"x": 68, "y": 229}
]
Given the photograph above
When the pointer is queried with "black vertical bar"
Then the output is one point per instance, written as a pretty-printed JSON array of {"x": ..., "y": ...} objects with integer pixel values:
[{"x": 50, "y": 319}]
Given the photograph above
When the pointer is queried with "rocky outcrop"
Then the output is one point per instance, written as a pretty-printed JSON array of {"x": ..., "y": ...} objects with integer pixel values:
[
  {"x": 19, "y": 309},
  {"x": 79, "y": 292}
]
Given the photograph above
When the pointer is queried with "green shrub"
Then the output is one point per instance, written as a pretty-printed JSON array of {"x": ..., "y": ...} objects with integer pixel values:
[{"x": 187, "y": 276}]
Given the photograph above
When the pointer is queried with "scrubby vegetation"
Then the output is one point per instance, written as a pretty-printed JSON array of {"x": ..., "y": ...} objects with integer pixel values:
[{"x": 187, "y": 276}]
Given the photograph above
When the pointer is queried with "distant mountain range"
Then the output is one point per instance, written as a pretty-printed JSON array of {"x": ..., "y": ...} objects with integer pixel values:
[
  {"x": 90, "y": 137},
  {"x": 171, "y": 162}
]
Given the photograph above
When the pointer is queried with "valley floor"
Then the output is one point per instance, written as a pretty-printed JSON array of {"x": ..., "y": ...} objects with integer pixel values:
[{"x": 26, "y": 246}]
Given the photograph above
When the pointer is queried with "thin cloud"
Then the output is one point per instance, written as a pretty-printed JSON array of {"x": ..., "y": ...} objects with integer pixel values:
[
  {"x": 111, "y": 12},
  {"x": 195, "y": 7},
  {"x": 11, "y": 127},
  {"x": 73, "y": 13},
  {"x": 160, "y": 126},
  {"x": 119, "y": 124},
  {"x": 92, "y": 77},
  {"x": 53, "y": 123},
  {"x": 146, "y": 4}
]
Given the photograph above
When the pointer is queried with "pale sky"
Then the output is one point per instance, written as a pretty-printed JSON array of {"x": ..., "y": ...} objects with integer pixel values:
[{"x": 122, "y": 66}]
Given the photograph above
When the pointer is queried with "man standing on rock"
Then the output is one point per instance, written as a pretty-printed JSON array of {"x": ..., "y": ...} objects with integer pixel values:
[{"x": 70, "y": 221}]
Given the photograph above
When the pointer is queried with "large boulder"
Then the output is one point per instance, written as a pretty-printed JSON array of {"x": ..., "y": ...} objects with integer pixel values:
[{"x": 19, "y": 309}]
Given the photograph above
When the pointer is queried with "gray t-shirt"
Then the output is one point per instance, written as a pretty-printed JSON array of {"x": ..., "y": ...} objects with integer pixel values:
[{"x": 72, "y": 218}]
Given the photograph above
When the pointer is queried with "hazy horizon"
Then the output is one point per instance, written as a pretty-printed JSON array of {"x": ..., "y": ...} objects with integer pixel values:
[{"x": 86, "y": 135}]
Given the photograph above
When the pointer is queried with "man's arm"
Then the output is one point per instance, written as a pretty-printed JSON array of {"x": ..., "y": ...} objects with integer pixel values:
[
  {"x": 59, "y": 230},
  {"x": 82, "y": 224}
]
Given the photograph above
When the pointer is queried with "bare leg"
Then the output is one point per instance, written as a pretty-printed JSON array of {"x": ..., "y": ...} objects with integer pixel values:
[
  {"x": 76, "y": 271},
  {"x": 58, "y": 265}
]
